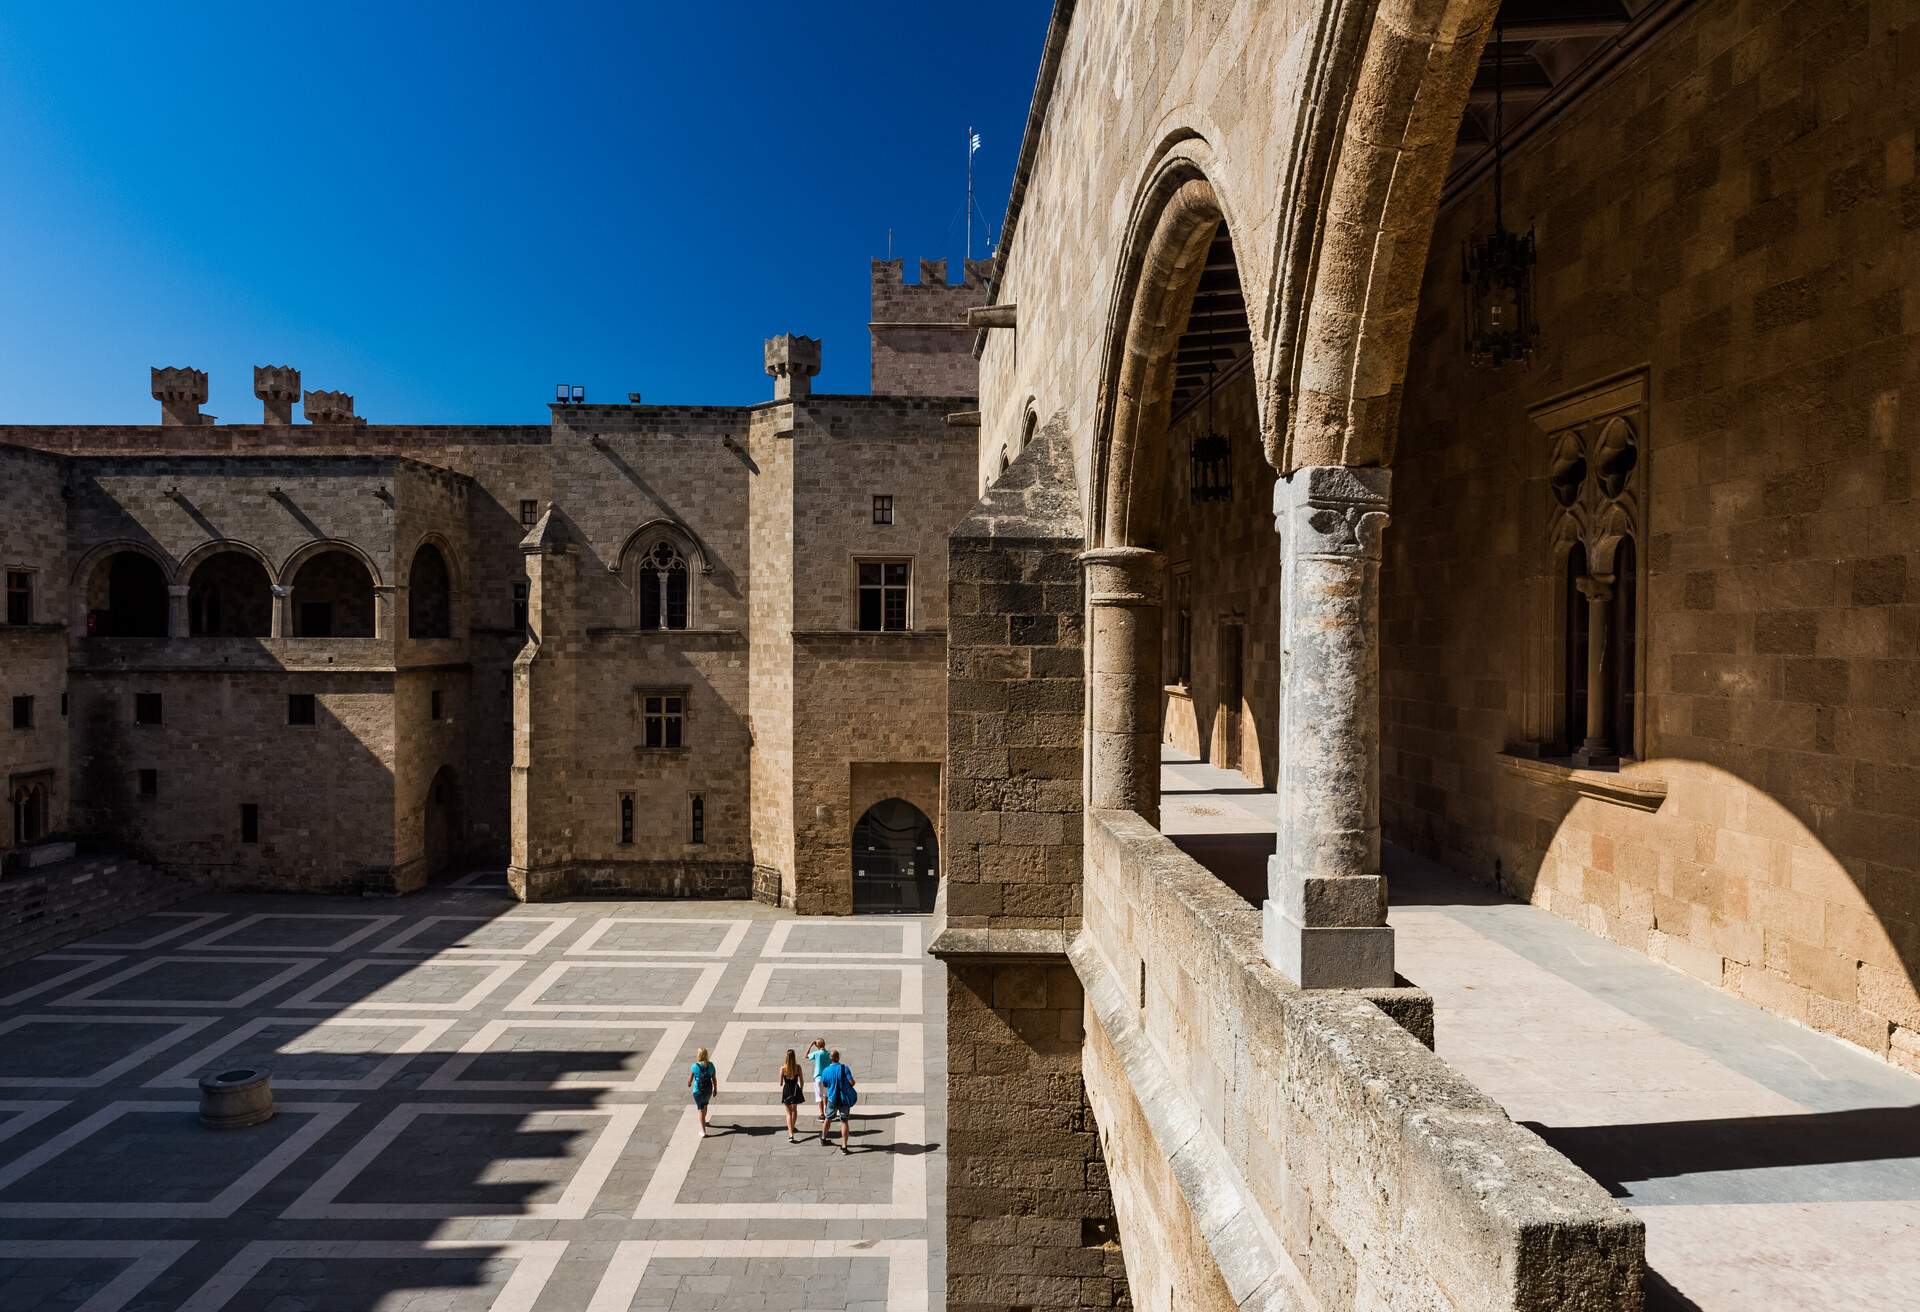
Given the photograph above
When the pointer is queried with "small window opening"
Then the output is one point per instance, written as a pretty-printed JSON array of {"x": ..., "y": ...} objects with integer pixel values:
[
  {"x": 146, "y": 708},
  {"x": 529, "y": 512},
  {"x": 249, "y": 822},
  {"x": 883, "y": 510},
  {"x": 520, "y": 604},
  {"x": 300, "y": 708},
  {"x": 626, "y": 818},
  {"x": 149, "y": 783},
  {"x": 434, "y": 704},
  {"x": 699, "y": 819},
  {"x": 883, "y": 595},
  {"x": 23, "y": 712},
  {"x": 664, "y": 715},
  {"x": 19, "y": 597}
]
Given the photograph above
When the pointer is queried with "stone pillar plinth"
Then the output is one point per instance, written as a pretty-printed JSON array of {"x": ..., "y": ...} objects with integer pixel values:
[
  {"x": 177, "y": 626},
  {"x": 1124, "y": 592},
  {"x": 1326, "y": 911}
]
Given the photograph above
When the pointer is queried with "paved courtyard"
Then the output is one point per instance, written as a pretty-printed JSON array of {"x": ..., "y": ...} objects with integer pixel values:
[{"x": 482, "y": 1106}]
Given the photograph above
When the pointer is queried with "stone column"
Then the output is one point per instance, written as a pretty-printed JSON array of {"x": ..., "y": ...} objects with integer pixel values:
[
  {"x": 281, "y": 625},
  {"x": 177, "y": 626},
  {"x": 388, "y": 601},
  {"x": 1326, "y": 911},
  {"x": 1597, "y": 752},
  {"x": 1124, "y": 587}
]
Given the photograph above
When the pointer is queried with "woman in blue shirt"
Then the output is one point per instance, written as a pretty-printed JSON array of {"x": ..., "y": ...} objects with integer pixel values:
[{"x": 704, "y": 1080}]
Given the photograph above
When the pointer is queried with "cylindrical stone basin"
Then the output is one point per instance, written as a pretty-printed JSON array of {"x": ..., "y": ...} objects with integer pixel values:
[{"x": 234, "y": 1099}]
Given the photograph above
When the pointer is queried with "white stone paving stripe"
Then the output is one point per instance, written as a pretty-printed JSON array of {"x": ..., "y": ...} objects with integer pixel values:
[
  {"x": 465, "y": 1002},
  {"x": 906, "y": 1264},
  {"x": 776, "y": 945},
  {"x": 179, "y": 1027},
  {"x": 587, "y": 944},
  {"x": 187, "y": 1073},
  {"x": 195, "y": 920},
  {"x": 828, "y": 973},
  {"x": 575, "y": 1201},
  {"x": 47, "y": 986},
  {"x": 555, "y": 927},
  {"x": 211, "y": 942},
  {"x": 909, "y": 1193},
  {"x": 146, "y": 1258},
  {"x": 324, "y": 1116},
  {"x": 696, "y": 999},
  {"x": 674, "y": 1035},
  {"x": 84, "y": 997},
  {"x": 534, "y": 1261},
  {"x": 912, "y": 1067}
]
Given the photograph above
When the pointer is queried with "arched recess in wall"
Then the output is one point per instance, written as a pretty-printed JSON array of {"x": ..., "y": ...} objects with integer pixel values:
[
  {"x": 1371, "y": 159},
  {"x": 1175, "y": 221},
  {"x": 229, "y": 591},
  {"x": 30, "y": 812},
  {"x": 122, "y": 588},
  {"x": 443, "y": 824},
  {"x": 896, "y": 859},
  {"x": 430, "y": 591},
  {"x": 659, "y": 564},
  {"x": 332, "y": 591}
]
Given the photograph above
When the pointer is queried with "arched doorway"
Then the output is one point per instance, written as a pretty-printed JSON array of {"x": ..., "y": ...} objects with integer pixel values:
[
  {"x": 896, "y": 859},
  {"x": 333, "y": 597},
  {"x": 29, "y": 814},
  {"x": 230, "y": 596},
  {"x": 443, "y": 823},
  {"x": 429, "y": 595},
  {"x": 127, "y": 597}
]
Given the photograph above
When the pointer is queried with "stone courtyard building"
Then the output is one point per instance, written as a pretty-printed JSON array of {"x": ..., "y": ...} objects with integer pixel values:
[
  {"x": 1473, "y": 438},
  {"x": 650, "y": 650}
]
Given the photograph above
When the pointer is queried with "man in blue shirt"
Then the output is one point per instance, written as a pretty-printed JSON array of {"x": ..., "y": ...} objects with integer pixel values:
[{"x": 837, "y": 1090}]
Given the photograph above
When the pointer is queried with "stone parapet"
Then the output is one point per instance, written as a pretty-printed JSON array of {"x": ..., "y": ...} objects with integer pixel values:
[{"x": 1274, "y": 1147}]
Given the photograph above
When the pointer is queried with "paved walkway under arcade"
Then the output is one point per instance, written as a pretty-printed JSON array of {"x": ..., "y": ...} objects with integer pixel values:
[
  {"x": 1775, "y": 1167},
  {"x": 483, "y": 1106}
]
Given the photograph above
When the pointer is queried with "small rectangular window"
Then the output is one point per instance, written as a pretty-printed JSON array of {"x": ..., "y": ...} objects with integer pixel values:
[
  {"x": 23, "y": 712},
  {"x": 300, "y": 708},
  {"x": 63, "y": 706},
  {"x": 664, "y": 715},
  {"x": 19, "y": 597},
  {"x": 626, "y": 817},
  {"x": 520, "y": 604},
  {"x": 149, "y": 783},
  {"x": 699, "y": 819},
  {"x": 249, "y": 822},
  {"x": 529, "y": 512},
  {"x": 882, "y": 510},
  {"x": 434, "y": 703},
  {"x": 883, "y": 595},
  {"x": 146, "y": 708}
]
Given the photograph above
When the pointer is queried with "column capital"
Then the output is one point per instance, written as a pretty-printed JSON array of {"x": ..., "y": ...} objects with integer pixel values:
[
  {"x": 1332, "y": 510},
  {"x": 177, "y": 589},
  {"x": 1124, "y": 576},
  {"x": 279, "y": 589}
]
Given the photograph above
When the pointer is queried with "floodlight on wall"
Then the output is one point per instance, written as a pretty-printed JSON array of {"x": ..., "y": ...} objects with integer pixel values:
[
  {"x": 579, "y": 395},
  {"x": 1497, "y": 270},
  {"x": 633, "y": 398}
]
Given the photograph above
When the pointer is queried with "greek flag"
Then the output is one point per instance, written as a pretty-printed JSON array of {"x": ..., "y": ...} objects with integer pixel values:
[{"x": 973, "y": 142}]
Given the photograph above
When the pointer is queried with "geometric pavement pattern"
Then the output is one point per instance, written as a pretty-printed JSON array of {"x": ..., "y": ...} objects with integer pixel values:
[{"x": 482, "y": 1107}]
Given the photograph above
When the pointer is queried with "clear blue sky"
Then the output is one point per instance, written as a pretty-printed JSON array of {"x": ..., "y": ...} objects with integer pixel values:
[{"x": 447, "y": 209}]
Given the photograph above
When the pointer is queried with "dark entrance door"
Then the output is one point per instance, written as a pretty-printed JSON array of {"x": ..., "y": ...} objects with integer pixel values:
[{"x": 896, "y": 859}]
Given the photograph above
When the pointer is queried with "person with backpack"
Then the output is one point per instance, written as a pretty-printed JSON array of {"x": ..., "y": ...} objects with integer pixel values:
[
  {"x": 838, "y": 1091},
  {"x": 704, "y": 1080}
]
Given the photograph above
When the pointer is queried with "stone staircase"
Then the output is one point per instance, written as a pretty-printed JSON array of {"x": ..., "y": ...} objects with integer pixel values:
[{"x": 52, "y": 903}]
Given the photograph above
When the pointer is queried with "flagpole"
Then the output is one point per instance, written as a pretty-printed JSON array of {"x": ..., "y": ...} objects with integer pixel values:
[{"x": 969, "y": 192}]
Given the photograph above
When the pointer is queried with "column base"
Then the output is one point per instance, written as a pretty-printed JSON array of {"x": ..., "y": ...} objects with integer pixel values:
[{"x": 1329, "y": 957}]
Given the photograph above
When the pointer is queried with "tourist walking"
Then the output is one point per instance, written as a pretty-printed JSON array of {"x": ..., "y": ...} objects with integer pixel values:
[
  {"x": 837, "y": 1086},
  {"x": 790, "y": 1093},
  {"x": 818, "y": 1057},
  {"x": 704, "y": 1080}
]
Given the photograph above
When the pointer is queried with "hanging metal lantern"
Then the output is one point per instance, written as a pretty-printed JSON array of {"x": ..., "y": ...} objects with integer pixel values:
[
  {"x": 1212, "y": 475},
  {"x": 1497, "y": 270}
]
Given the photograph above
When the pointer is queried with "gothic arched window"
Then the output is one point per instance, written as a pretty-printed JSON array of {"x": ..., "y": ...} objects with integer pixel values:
[{"x": 662, "y": 584}]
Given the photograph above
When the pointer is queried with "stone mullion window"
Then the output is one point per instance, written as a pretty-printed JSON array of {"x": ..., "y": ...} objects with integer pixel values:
[
  {"x": 663, "y": 588},
  {"x": 663, "y": 720},
  {"x": 19, "y": 596},
  {"x": 884, "y": 587},
  {"x": 1583, "y": 697}
]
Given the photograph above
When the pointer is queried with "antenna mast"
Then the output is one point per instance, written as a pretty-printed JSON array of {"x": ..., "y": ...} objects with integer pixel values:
[{"x": 971, "y": 139}]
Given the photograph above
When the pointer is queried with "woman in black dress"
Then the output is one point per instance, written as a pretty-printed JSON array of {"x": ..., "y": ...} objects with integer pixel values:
[{"x": 790, "y": 1091}]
